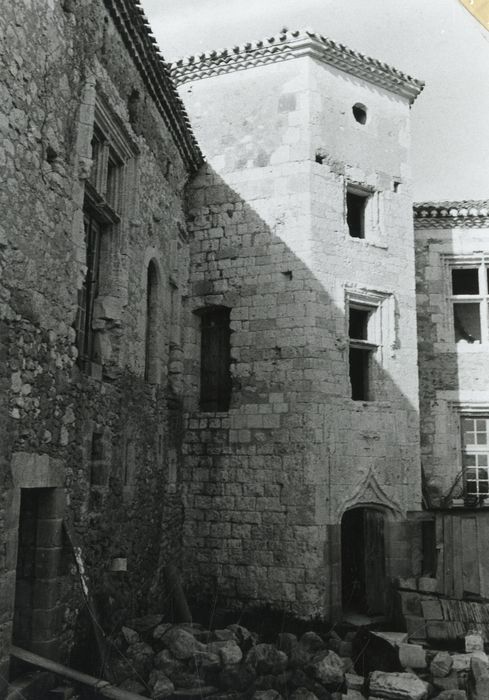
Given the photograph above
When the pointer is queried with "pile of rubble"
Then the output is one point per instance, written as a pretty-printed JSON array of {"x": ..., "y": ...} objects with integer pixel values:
[{"x": 186, "y": 661}]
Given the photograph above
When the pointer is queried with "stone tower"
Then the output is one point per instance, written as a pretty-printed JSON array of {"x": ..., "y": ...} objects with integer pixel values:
[{"x": 302, "y": 474}]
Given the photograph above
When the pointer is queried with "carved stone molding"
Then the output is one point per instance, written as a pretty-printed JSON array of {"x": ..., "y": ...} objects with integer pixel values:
[{"x": 370, "y": 493}]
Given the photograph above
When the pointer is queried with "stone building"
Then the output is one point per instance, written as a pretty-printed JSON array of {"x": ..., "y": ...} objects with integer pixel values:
[
  {"x": 302, "y": 255},
  {"x": 452, "y": 249},
  {"x": 96, "y": 150},
  {"x": 215, "y": 364}
]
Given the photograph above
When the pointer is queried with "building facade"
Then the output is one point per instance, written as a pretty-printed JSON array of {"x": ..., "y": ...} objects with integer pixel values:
[
  {"x": 452, "y": 248},
  {"x": 302, "y": 234},
  {"x": 96, "y": 151},
  {"x": 215, "y": 364}
]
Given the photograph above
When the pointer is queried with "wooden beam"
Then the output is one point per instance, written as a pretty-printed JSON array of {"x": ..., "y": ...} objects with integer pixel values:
[{"x": 103, "y": 687}]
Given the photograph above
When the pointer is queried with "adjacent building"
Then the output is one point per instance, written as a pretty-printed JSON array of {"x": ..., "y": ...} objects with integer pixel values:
[
  {"x": 96, "y": 151},
  {"x": 452, "y": 258}
]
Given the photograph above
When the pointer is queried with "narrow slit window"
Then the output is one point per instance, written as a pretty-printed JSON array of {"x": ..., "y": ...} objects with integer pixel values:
[
  {"x": 97, "y": 459},
  {"x": 151, "y": 340},
  {"x": 215, "y": 358},
  {"x": 356, "y": 205}
]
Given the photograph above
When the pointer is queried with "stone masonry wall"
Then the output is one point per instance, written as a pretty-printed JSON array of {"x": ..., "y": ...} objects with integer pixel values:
[
  {"x": 60, "y": 59},
  {"x": 266, "y": 484},
  {"x": 453, "y": 379}
]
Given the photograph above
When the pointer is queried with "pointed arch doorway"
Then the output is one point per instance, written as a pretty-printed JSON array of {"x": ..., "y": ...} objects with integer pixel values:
[{"x": 363, "y": 567}]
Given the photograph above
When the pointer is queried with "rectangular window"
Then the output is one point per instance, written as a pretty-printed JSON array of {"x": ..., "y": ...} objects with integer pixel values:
[
  {"x": 215, "y": 357},
  {"x": 356, "y": 206},
  {"x": 112, "y": 154},
  {"x": 360, "y": 352},
  {"x": 475, "y": 452},
  {"x": 88, "y": 293},
  {"x": 470, "y": 299}
]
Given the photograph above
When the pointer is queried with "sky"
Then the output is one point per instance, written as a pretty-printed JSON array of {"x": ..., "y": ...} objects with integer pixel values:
[{"x": 437, "y": 41}]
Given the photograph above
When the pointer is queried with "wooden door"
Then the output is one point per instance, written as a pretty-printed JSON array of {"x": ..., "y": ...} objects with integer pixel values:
[{"x": 374, "y": 558}]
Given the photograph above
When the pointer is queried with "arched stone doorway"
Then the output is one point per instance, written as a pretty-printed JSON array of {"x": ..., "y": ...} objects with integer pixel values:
[{"x": 363, "y": 563}]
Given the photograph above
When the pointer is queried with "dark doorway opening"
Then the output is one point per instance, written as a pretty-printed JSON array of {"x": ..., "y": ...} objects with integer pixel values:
[
  {"x": 38, "y": 613},
  {"x": 26, "y": 567},
  {"x": 363, "y": 561}
]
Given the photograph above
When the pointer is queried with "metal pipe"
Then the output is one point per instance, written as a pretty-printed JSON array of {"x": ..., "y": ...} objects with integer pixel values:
[{"x": 103, "y": 687}]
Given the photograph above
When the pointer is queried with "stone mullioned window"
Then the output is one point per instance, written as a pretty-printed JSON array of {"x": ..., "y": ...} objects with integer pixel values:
[
  {"x": 470, "y": 300},
  {"x": 475, "y": 455},
  {"x": 105, "y": 206}
]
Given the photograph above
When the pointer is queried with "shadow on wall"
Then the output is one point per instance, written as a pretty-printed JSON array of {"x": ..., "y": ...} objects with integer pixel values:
[{"x": 317, "y": 423}]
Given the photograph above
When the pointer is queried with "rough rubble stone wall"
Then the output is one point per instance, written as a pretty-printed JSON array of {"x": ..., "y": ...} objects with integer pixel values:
[
  {"x": 266, "y": 483},
  {"x": 58, "y": 60},
  {"x": 452, "y": 376}
]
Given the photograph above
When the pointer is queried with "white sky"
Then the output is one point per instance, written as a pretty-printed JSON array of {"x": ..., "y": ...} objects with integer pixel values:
[{"x": 437, "y": 41}]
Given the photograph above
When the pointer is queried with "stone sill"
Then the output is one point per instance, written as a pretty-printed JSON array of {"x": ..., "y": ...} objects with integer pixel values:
[
  {"x": 209, "y": 414},
  {"x": 372, "y": 242},
  {"x": 465, "y": 349},
  {"x": 370, "y": 404}
]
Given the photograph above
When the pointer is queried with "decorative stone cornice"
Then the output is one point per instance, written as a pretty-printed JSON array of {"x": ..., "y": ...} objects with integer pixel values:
[
  {"x": 133, "y": 26},
  {"x": 288, "y": 45},
  {"x": 465, "y": 213}
]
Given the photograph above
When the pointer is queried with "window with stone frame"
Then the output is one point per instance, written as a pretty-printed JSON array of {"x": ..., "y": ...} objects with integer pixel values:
[
  {"x": 475, "y": 456},
  {"x": 113, "y": 156},
  {"x": 358, "y": 210},
  {"x": 152, "y": 335},
  {"x": 215, "y": 359},
  {"x": 361, "y": 349},
  {"x": 470, "y": 300}
]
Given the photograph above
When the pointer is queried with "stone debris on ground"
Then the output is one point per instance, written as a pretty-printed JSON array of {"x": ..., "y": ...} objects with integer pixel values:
[{"x": 185, "y": 661}]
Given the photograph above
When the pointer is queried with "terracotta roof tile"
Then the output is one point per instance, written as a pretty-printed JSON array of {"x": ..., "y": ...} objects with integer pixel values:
[{"x": 291, "y": 44}]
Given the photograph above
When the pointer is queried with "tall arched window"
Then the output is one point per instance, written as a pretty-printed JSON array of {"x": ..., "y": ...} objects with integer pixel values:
[{"x": 151, "y": 341}]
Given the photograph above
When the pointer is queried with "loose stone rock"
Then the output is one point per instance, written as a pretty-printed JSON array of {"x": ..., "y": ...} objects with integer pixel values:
[
  {"x": 303, "y": 694},
  {"x": 267, "y": 695},
  {"x": 181, "y": 643},
  {"x": 265, "y": 658},
  {"x": 354, "y": 682},
  {"x": 441, "y": 664},
  {"x": 161, "y": 685},
  {"x": 166, "y": 662},
  {"x": 230, "y": 653},
  {"x": 286, "y": 642},
  {"x": 397, "y": 686},
  {"x": 327, "y": 667},
  {"x": 238, "y": 677},
  {"x": 479, "y": 676},
  {"x": 412, "y": 656},
  {"x": 130, "y": 635}
]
